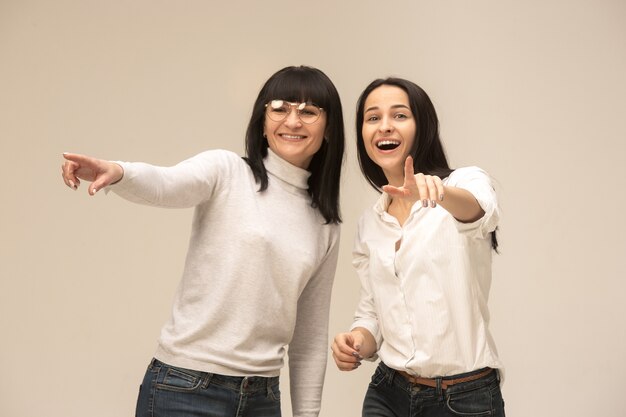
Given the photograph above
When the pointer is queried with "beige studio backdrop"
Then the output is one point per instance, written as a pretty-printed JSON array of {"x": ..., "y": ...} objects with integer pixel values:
[{"x": 532, "y": 91}]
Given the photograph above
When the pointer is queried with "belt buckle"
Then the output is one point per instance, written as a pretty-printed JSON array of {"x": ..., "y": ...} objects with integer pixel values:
[{"x": 415, "y": 387}]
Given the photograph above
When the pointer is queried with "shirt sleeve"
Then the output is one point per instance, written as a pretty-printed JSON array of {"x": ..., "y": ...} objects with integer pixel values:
[
  {"x": 183, "y": 185},
  {"x": 308, "y": 350},
  {"x": 365, "y": 315},
  {"x": 479, "y": 183}
]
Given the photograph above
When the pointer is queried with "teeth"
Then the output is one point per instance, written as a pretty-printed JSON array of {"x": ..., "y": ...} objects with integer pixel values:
[
  {"x": 388, "y": 144},
  {"x": 292, "y": 136}
]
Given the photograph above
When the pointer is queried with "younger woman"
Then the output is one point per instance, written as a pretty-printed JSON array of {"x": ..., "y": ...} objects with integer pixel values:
[{"x": 423, "y": 255}]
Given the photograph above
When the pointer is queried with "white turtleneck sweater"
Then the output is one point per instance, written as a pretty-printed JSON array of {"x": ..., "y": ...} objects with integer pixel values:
[{"x": 258, "y": 273}]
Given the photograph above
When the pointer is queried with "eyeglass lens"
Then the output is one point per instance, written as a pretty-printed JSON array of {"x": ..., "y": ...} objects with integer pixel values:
[{"x": 278, "y": 110}]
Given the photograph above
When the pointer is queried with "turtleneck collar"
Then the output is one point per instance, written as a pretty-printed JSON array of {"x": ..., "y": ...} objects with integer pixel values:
[{"x": 286, "y": 172}]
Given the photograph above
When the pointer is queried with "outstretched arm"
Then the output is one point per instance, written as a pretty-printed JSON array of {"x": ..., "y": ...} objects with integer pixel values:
[
  {"x": 430, "y": 190},
  {"x": 184, "y": 185}
]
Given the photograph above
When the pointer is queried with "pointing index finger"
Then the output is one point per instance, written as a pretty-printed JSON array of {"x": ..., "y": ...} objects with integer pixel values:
[{"x": 78, "y": 158}]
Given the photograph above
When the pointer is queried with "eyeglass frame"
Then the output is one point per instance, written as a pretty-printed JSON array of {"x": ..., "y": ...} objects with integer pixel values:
[{"x": 294, "y": 105}]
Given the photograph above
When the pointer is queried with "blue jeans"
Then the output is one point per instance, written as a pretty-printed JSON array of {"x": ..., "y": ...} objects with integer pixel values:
[
  {"x": 391, "y": 395},
  {"x": 168, "y": 391}
]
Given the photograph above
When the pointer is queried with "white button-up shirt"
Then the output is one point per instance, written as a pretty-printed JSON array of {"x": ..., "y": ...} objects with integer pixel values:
[{"x": 426, "y": 304}]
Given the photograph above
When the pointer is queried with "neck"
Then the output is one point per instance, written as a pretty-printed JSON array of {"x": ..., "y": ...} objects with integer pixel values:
[{"x": 395, "y": 179}]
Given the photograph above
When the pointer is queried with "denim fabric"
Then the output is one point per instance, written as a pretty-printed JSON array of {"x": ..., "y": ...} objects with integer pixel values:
[
  {"x": 391, "y": 395},
  {"x": 168, "y": 391}
]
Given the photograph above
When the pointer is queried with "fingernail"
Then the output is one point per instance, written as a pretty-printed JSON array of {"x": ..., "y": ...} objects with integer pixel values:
[
  {"x": 94, "y": 191},
  {"x": 424, "y": 203},
  {"x": 440, "y": 197},
  {"x": 432, "y": 203},
  {"x": 72, "y": 184}
]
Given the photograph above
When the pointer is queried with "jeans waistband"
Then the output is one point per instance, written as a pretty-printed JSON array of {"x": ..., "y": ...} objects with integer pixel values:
[{"x": 247, "y": 383}]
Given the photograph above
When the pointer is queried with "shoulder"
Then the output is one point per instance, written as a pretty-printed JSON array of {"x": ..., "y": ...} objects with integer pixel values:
[
  {"x": 219, "y": 155},
  {"x": 219, "y": 160},
  {"x": 467, "y": 174}
]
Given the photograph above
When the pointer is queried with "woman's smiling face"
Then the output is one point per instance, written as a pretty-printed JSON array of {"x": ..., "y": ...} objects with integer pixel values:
[
  {"x": 388, "y": 130},
  {"x": 293, "y": 140}
]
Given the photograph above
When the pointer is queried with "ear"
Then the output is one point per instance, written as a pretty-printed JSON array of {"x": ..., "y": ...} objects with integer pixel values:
[{"x": 326, "y": 132}]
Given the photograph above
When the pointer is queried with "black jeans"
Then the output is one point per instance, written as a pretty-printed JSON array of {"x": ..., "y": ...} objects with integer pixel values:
[{"x": 391, "y": 395}]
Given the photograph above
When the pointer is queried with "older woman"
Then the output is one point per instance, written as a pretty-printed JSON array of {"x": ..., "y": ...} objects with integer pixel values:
[{"x": 261, "y": 259}]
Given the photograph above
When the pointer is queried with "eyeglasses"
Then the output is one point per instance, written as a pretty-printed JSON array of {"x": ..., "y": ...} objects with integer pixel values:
[{"x": 278, "y": 110}]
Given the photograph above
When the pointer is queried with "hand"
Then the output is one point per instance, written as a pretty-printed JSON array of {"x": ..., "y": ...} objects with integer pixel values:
[
  {"x": 81, "y": 167},
  {"x": 428, "y": 188},
  {"x": 346, "y": 350}
]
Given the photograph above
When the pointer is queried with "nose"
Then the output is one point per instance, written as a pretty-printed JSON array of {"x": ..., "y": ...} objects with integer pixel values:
[
  {"x": 385, "y": 125},
  {"x": 292, "y": 120}
]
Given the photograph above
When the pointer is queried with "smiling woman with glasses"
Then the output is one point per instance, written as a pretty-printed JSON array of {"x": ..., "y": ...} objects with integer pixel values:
[{"x": 261, "y": 258}]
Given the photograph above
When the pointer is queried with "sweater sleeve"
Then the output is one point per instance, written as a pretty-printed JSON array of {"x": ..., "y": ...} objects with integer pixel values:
[
  {"x": 308, "y": 350},
  {"x": 183, "y": 185},
  {"x": 365, "y": 315}
]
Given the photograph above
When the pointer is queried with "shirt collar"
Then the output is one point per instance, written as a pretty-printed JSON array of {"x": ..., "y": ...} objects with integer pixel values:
[
  {"x": 286, "y": 172},
  {"x": 382, "y": 203}
]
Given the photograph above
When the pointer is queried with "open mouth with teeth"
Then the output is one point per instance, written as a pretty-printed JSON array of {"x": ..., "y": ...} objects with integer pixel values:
[
  {"x": 292, "y": 137},
  {"x": 387, "y": 145}
]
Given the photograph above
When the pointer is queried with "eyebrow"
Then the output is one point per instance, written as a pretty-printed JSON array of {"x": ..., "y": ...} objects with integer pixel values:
[{"x": 395, "y": 106}]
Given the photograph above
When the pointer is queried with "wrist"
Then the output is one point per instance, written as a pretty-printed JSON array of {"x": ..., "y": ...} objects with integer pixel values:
[{"x": 119, "y": 172}]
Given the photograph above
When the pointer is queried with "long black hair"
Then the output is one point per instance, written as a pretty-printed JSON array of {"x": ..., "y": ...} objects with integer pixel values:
[
  {"x": 427, "y": 151},
  {"x": 303, "y": 84}
]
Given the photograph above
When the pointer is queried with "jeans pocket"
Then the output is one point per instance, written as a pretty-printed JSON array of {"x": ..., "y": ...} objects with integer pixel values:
[
  {"x": 377, "y": 378},
  {"x": 273, "y": 393},
  {"x": 477, "y": 402},
  {"x": 179, "y": 379}
]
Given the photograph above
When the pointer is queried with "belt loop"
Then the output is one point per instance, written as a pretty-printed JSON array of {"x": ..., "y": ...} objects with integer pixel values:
[
  {"x": 438, "y": 389},
  {"x": 268, "y": 388},
  {"x": 207, "y": 380}
]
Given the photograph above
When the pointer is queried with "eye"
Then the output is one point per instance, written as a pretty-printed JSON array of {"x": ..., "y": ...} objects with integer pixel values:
[
  {"x": 401, "y": 116},
  {"x": 371, "y": 118},
  {"x": 278, "y": 107},
  {"x": 280, "y": 110},
  {"x": 308, "y": 111}
]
